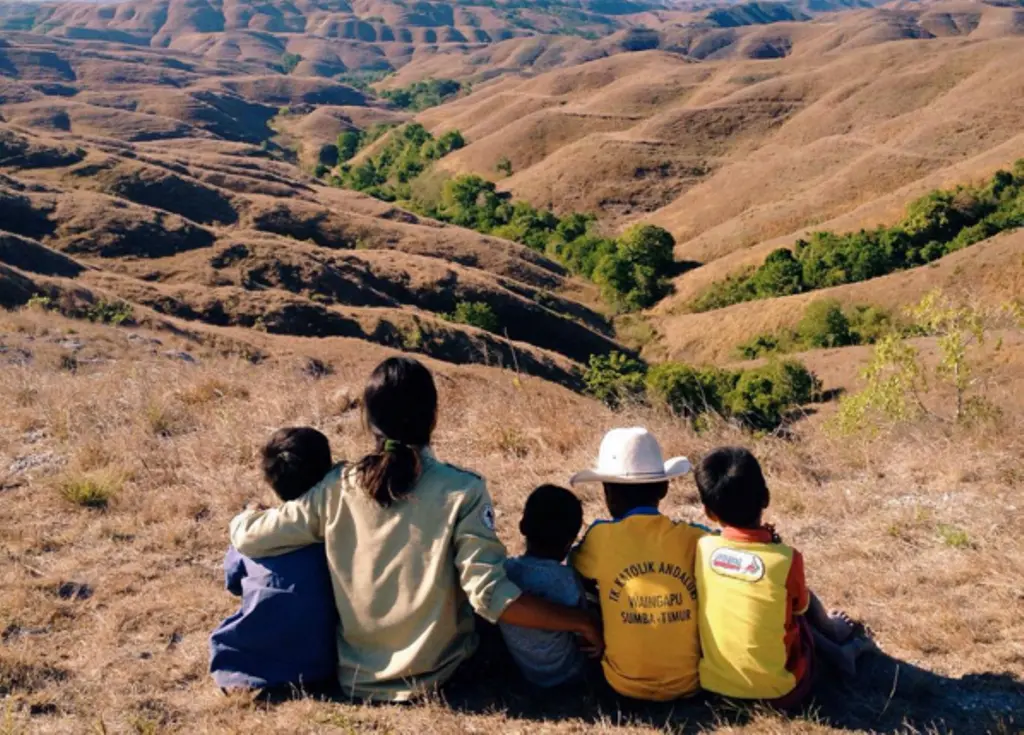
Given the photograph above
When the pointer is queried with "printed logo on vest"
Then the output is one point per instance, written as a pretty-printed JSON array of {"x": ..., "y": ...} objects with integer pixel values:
[{"x": 737, "y": 564}]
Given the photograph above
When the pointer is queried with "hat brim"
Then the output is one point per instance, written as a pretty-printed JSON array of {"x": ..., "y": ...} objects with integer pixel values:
[{"x": 675, "y": 467}]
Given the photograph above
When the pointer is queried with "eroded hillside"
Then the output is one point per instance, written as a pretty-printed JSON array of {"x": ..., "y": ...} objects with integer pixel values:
[{"x": 145, "y": 184}]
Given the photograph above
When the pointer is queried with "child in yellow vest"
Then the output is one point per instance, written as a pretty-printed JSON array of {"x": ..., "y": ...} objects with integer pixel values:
[
  {"x": 642, "y": 564},
  {"x": 760, "y": 626}
]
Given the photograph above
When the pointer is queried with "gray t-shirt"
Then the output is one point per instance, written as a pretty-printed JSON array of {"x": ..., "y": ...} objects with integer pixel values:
[{"x": 546, "y": 658}]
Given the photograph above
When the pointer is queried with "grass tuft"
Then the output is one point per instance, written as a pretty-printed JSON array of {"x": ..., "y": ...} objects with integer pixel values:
[
  {"x": 90, "y": 491},
  {"x": 955, "y": 537}
]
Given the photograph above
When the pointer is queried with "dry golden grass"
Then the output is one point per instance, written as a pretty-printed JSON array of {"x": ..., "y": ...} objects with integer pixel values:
[
  {"x": 990, "y": 274},
  {"x": 104, "y": 612}
]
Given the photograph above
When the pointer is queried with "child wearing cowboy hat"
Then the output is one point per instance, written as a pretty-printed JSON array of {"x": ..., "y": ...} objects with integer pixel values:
[{"x": 643, "y": 565}]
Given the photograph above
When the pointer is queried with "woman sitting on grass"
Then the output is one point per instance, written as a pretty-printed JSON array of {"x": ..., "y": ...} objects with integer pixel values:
[{"x": 409, "y": 541}]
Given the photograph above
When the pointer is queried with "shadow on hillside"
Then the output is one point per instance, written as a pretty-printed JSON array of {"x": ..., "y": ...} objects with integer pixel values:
[
  {"x": 681, "y": 267},
  {"x": 888, "y": 696}
]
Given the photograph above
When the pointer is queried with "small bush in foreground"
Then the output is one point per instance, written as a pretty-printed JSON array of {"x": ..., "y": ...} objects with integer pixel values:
[{"x": 90, "y": 491}]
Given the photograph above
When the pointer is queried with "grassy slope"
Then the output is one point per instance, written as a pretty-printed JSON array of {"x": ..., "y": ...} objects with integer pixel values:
[{"x": 880, "y": 528}]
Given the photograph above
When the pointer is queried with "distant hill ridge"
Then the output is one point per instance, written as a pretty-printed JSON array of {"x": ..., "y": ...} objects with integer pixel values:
[{"x": 331, "y": 37}]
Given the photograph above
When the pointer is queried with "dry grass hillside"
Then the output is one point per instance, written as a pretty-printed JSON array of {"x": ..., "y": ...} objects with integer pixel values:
[
  {"x": 156, "y": 193},
  {"x": 174, "y": 285},
  {"x": 738, "y": 154},
  {"x": 694, "y": 146},
  {"x": 105, "y": 609},
  {"x": 324, "y": 38}
]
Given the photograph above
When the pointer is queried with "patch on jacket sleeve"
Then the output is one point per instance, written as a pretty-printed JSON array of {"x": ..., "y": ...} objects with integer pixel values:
[{"x": 487, "y": 516}]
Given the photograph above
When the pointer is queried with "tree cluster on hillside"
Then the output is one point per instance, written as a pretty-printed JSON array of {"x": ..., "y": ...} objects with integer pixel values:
[
  {"x": 825, "y": 323},
  {"x": 631, "y": 270},
  {"x": 935, "y": 225},
  {"x": 758, "y": 398},
  {"x": 406, "y": 153},
  {"x": 421, "y": 95}
]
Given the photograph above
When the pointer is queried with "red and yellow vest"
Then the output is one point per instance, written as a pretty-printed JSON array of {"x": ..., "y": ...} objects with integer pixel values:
[{"x": 751, "y": 591}]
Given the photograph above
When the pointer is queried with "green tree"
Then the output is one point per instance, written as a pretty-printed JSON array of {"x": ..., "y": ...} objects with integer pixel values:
[
  {"x": 687, "y": 390},
  {"x": 763, "y": 396},
  {"x": 636, "y": 275},
  {"x": 289, "y": 62},
  {"x": 825, "y": 325},
  {"x": 349, "y": 143},
  {"x": 781, "y": 275}
]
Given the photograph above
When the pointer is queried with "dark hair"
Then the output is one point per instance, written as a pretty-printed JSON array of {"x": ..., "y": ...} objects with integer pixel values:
[
  {"x": 295, "y": 459},
  {"x": 551, "y": 521},
  {"x": 400, "y": 410},
  {"x": 732, "y": 486},
  {"x": 623, "y": 497}
]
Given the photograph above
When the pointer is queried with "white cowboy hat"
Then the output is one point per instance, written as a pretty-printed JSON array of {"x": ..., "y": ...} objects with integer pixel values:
[{"x": 631, "y": 457}]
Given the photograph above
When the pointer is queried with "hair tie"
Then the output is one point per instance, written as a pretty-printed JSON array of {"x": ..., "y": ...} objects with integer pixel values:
[{"x": 391, "y": 446}]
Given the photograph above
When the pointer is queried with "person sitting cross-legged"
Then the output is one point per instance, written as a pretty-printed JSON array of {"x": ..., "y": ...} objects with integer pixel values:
[
  {"x": 642, "y": 564},
  {"x": 551, "y": 520},
  {"x": 283, "y": 635},
  {"x": 760, "y": 626},
  {"x": 411, "y": 547}
]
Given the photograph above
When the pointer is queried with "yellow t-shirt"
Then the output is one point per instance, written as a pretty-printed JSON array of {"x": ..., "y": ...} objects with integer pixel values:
[
  {"x": 643, "y": 566},
  {"x": 752, "y": 591}
]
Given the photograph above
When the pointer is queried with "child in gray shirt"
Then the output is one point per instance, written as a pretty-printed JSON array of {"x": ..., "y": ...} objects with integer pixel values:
[{"x": 551, "y": 520}]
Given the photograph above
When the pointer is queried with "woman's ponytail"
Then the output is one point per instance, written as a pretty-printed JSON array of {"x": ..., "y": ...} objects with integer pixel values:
[{"x": 400, "y": 410}]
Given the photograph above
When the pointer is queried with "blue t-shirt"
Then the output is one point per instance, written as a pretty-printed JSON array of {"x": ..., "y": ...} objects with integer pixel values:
[
  {"x": 546, "y": 658},
  {"x": 286, "y": 631}
]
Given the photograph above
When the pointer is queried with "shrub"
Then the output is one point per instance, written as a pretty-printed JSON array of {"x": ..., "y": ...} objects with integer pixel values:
[
  {"x": 504, "y": 166},
  {"x": 289, "y": 62},
  {"x": 476, "y": 314},
  {"x": 761, "y": 346},
  {"x": 405, "y": 156},
  {"x": 615, "y": 379},
  {"x": 90, "y": 491},
  {"x": 687, "y": 390},
  {"x": 763, "y": 396},
  {"x": 421, "y": 95},
  {"x": 349, "y": 143},
  {"x": 110, "y": 312},
  {"x": 896, "y": 379},
  {"x": 824, "y": 325}
]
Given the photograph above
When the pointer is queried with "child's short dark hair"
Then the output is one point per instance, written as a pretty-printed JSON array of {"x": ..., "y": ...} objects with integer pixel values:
[
  {"x": 551, "y": 519},
  {"x": 732, "y": 486},
  {"x": 625, "y": 496},
  {"x": 295, "y": 459}
]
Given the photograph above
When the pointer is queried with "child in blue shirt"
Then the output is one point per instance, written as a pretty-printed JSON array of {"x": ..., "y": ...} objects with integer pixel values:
[
  {"x": 286, "y": 631},
  {"x": 551, "y": 521}
]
